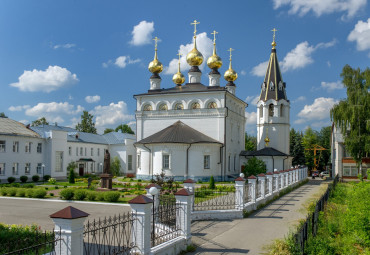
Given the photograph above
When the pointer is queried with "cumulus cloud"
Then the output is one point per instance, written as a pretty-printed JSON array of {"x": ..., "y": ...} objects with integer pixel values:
[
  {"x": 204, "y": 45},
  {"x": 64, "y": 46},
  {"x": 331, "y": 86},
  {"x": 121, "y": 62},
  {"x": 111, "y": 115},
  {"x": 243, "y": 72},
  {"x": 142, "y": 33},
  {"x": 319, "y": 110},
  {"x": 297, "y": 58},
  {"x": 361, "y": 35},
  {"x": 92, "y": 99},
  {"x": 18, "y": 108},
  {"x": 52, "y": 111},
  {"x": 252, "y": 99},
  {"x": 251, "y": 123},
  {"x": 299, "y": 99},
  {"x": 320, "y": 7},
  {"x": 53, "y": 78}
]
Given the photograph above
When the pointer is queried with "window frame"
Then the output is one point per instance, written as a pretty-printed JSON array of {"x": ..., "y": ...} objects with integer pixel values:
[
  {"x": 39, "y": 168},
  {"x": 27, "y": 168},
  {"x": 39, "y": 148},
  {"x": 2, "y": 169},
  {"x": 16, "y": 146},
  {"x": 15, "y": 169},
  {"x": 2, "y": 146},
  {"x": 166, "y": 165},
  {"x": 207, "y": 161},
  {"x": 138, "y": 161},
  {"x": 129, "y": 163}
]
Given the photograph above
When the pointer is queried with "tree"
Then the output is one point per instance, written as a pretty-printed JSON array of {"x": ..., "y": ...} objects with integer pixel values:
[
  {"x": 87, "y": 125},
  {"x": 72, "y": 175},
  {"x": 254, "y": 166},
  {"x": 352, "y": 115},
  {"x": 108, "y": 130},
  {"x": 324, "y": 141},
  {"x": 2, "y": 115},
  {"x": 250, "y": 142},
  {"x": 298, "y": 150},
  {"x": 309, "y": 141},
  {"x": 115, "y": 166},
  {"x": 212, "y": 183},
  {"x": 125, "y": 129},
  {"x": 39, "y": 122}
]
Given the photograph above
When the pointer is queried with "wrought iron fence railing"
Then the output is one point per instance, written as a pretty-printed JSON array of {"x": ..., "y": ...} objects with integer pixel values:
[
  {"x": 266, "y": 187},
  {"x": 273, "y": 183},
  {"x": 112, "y": 235},
  {"x": 208, "y": 199},
  {"x": 259, "y": 194},
  {"x": 248, "y": 192}
]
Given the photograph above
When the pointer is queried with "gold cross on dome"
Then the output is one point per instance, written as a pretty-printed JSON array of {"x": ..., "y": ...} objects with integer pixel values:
[
  {"x": 179, "y": 54},
  {"x": 195, "y": 23},
  {"x": 214, "y": 36},
  {"x": 231, "y": 49},
  {"x": 273, "y": 37},
  {"x": 156, "y": 39}
]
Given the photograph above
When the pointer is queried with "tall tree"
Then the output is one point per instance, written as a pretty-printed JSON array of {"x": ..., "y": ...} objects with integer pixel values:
[
  {"x": 39, "y": 122},
  {"x": 254, "y": 166},
  {"x": 352, "y": 115},
  {"x": 298, "y": 150},
  {"x": 108, "y": 130},
  {"x": 125, "y": 129},
  {"x": 309, "y": 141},
  {"x": 324, "y": 141},
  {"x": 87, "y": 124},
  {"x": 2, "y": 115},
  {"x": 250, "y": 142}
]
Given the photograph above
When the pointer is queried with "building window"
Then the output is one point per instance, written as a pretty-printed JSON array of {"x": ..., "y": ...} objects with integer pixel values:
[
  {"x": 281, "y": 110},
  {"x": 98, "y": 152},
  {"x": 195, "y": 105},
  {"x": 81, "y": 151},
  {"x": 15, "y": 168},
  {"x": 207, "y": 161},
  {"x": 92, "y": 152},
  {"x": 59, "y": 161},
  {"x": 147, "y": 107},
  {"x": 16, "y": 146},
  {"x": 27, "y": 168},
  {"x": 271, "y": 110},
  {"x": 166, "y": 161},
  {"x": 39, "y": 168},
  {"x": 76, "y": 151},
  {"x": 2, "y": 146},
  {"x": 261, "y": 111},
  {"x": 350, "y": 171},
  {"x": 70, "y": 151},
  {"x": 28, "y": 147},
  {"x": 229, "y": 164},
  {"x": 39, "y": 147},
  {"x": 138, "y": 161},
  {"x": 2, "y": 168},
  {"x": 129, "y": 162},
  {"x": 212, "y": 105},
  {"x": 179, "y": 106},
  {"x": 163, "y": 107}
]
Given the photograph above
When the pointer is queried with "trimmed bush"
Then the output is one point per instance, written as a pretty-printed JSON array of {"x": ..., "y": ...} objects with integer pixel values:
[
  {"x": 16, "y": 185},
  {"x": 35, "y": 178},
  {"x": 46, "y": 177},
  {"x": 80, "y": 194},
  {"x": 29, "y": 193},
  {"x": 21, "y": 192},
  {"x": 4, "y": 191},
  {"x": 51, "y": 194},
  {"x": 100, "y": 196},
  {"x": 28, "y": 186},
  {"x": 56, "y": 187},
  {"x": 39, "y": 193},
  {"x": 71, "y": 176},
  {"x": 66, "y": 194},
  {"x": 112, "y": 196},
  {"x": 91, "y": 195},
  {"x": 11, "y": 179},
  {"x": 12, "y": 192},
  {"x": 212, "y": 183},
  {"x": 23, "y": 178},
  {"x": 52, "y": 181}
]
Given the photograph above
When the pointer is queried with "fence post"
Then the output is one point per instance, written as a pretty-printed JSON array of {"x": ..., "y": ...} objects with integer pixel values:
[
  {"x": 141, "y": 207},
  {"x": 300, "y": 177},
  {"x": 189, "y": 184},
  {"x": 290, "y": 176},
  {"x": 270, "y": 177},
  {"x": 252, "y": 180},
  {"x": 281, "y": 175},
  {"x": 239, "y": 192},
  {"x": 69, "y": 223},
  {"x": 262, "y": 178},
  {"x": 286, "y": 176},
  {"x": 296, "y": 175},
  {"x": 183, "y": 221},
  {"x": 156, "y": 196},
  {"x": 276, "y": 175}
]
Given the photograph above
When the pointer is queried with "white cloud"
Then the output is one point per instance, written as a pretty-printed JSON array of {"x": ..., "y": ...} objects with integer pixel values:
[
  {"x": 318, "y": 110},
  {"x": 297, "y": 58},
  {"x": 52, "y": 111},
  {"x": 331, "y": 86},
  {"x": 121, "y": 62},
  {"x": 204, "y": 45},
  {"x": 243, "y": 72},
  {"x": 64, "y": 46},
  {"x": 320, "y": 7},
  {"x": 18, "y": 108},
  {"x": 361, "y": 35},
  {"x": 111, "y": 115},
  {"x": 299, "y": 99},
  {"x": 92, "y": 99},
  {"x": 142, "y": 33},
  {"x": 251, "y": 123},
  {"x": 252, "y": 99},
  {"x": 53, "y": 78}
]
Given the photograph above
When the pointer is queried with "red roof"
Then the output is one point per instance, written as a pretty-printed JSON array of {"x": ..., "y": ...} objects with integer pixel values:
[
  {"x": 69, "y": 213},
  {"x": 141, "y": 199},
  {"x": 183, "y": 192},
  {"x": 189, "y": 181}
]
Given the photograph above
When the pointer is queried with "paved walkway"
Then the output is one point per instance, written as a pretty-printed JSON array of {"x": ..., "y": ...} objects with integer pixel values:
[{"x": 248, "y": 236}]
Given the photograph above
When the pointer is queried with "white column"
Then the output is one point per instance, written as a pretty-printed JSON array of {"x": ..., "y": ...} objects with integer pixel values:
[
  {"x": 286, "y": 179},
  {"x": 282, "y": 180},
  {"x": 183, "y": 219},
  {"x": 269, "y": 181},
  {"x": 194, "y": 77},
  {"x": 239, "y": 193},
  {"x": 69, "y": 226},
  {"x": 155, "y": 83},
  {"x": 262, "y": 179},
  {"x": 189, "y": 184},
  {"x": 252, "y": 180},
  {"x": 277, "y": 178}
]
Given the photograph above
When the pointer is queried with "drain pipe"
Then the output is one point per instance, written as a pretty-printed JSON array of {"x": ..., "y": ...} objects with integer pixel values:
[
  {"x": 187, "y": 162},
  {"x": 224, "y": 163},
  {"x": 284, "y": 162},
  {"x": 150, "y": 159}
]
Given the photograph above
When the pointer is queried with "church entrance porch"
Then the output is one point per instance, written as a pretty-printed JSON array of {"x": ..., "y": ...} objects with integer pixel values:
[{"x": 81, "y": 169}]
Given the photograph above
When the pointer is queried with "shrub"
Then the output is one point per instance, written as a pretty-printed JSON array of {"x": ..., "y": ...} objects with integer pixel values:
[
  {"x": 46, "y": 177},
  {"x": 23, "y": 178},
  {"x": 29, "y": 193},
  {"x": 21, "y": 192},
  {"x": 100, "y": 196},
  {"x": 139, "y": 180},
  {"x": 80, "y": 194},
  {"x": 56, "y": 187},
  {"x": 46, "y": 188},
  {"x": 112, "y": 196},
  {"x": 11, "y": 179},
  {"x": 28, "y": 186},
  {"x": 51, "y": 194},
  {"x": 35, "y": 178},
  {"x": 16, "y": 185},
  {"x": 212, "y": 183},
  {"x": 52, "y": 181},
  {"x": 39, "y": 193},
  {"x": 4, "y": 191},
  {"x": 12, "y": 192},
  {"x": 71, "y": 176},
  {"x": 66, "y": 194},
  {"x": 91, "y": 195}
]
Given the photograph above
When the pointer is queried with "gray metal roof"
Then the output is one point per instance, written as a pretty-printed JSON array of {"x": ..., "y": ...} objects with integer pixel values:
[
  {"x": 12, "y": 127},
  {"x": 178, "y": 133},
  {"x": 44, "y": 130},
  {"x": 117, "y": 137},
  {"x": 267, "y": 151}
]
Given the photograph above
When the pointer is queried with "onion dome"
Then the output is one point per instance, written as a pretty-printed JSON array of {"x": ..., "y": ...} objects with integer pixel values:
[
  {"x": 230, "y": 75},
  {"x": 155, "y": 66},
  {"x": 267, "y": 139},
  {"x": 214, "y": 61},
  {"x": 178, "y": 78},
  {"x": 194, "y": 57}
]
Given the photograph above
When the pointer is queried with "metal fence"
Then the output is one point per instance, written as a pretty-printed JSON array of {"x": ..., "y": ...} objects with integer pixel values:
[
  {"x": 259, "y": 194},
  {"x": 309, "y": 227},
  {"x": 40, "y": 243},
  {"x": 266, "y": 187},
  {"x": 274, "y": 183},
  {"x": 209, "y": 199},
  {"x": 248, "y": 192},
  {"x": 112, "y": 235}
]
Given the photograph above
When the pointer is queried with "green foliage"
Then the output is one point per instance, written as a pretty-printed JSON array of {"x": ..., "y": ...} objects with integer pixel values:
[
  {"x": 12, "y": 192},
  {"x": 296, "y": 148},
  {"x": 35, "y": 178},
  {"x": 52, "y": 181},
  {"x": 115, "y": 166},
  {"x": 125, "y": 129},
  {"x": 21, "y": 192},
  {"x": 352, "y": 115},
  {"x": 212, "y": 183},
  {"x": 23, "y": 178},
  {"x": 310, "y": 139},
  {"x": 112, "y": 196},
  {"x": 11, "y": 179},
  {"x": 324, "y": 141},
  {"x": 27, "y": 186},
  {"x": 250, "y": 142},
  {"x": 46, "y": 177},
  {"x": 100, "y": 196},
  {"x": 80, "y": 194},
  {"x": 108, "y": 130},
  {"x": 39, "y": 122},
  {"x": 39, "y": 193},
  {"x": 2, "y": 115},
  {"x": 87, "y": 124},
  {"x": 72, "y": 175},
  {"x": 66, "y": 194},
  {"x": 254, "y": 166},
  {"x": 91, "y": 195}
]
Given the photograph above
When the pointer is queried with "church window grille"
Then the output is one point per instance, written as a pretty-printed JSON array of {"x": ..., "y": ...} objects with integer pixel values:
[
  {"x": 195, "y": 105},
  {"x": 147, "y": 107},
  {"x": 163, "y": 107},
  {"x": 129, "y": 162},
  {"x": 271, "y": 110},
  {"x": 179, "y": 106},
  {"x": 212, "y": 105},
  {"x": 207, "y": 161},
  {"x": 166, "y": 161},
  {"x": 261, "y": 111},
  {"x": 281, "y": 110},
  {"x": 272, "y": 87}
]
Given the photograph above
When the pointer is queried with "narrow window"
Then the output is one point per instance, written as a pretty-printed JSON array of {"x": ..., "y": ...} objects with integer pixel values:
[
  {"x": 212, "y": 105},
  {"x": 59, "y": 161},
  {"x": 281, "y": 110},
  {"x": 2, "y": 168},
  {"x": 206, "y": 161},
  {"x": 27, "y": 168},
  {"x": 39, "y": 148},
  {"x": 271, "y": 110},
  {"x": 98, "y": 152},
  {"x": 163, "y": 107},
  {"x": 166, "y": 161},
  {"x": 70, "y": 151},
  {"x": 179, "y": 106},
  {"x": 39, "y": 168},
  {"x": 85, "y": 151},
  {"x": 138, "y": 161},
  {"x": 28, "y": 147},
  {"x": 2, "y": 146},
  {"x": 261, "y": 111},
  {"x": 229, "y": 164},
  {"x": 92, "y": 152},
  {"x": 129, "y": 162},
  {"x": 147, "y": 107},
  {"x": 16, "y": 146},
  {"x": 81, "y": 151},
  {"x": 76, "y": 151},
  {"x": 15, "y": 169},
  {"x": 195, "y": 105}
]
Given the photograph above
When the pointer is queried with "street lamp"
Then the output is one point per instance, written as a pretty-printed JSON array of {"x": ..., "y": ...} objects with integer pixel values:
[
  {"x": 242, "y": 175},
  {"x": 101, "y": 167},
  {"x": 43, "y": 170},
  {"x": 153, "y": 191}
]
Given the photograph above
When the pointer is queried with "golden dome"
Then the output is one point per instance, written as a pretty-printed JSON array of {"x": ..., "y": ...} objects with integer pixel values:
[
  {"x": 267, "y": 140},
  {"x": 230, "y": 75},
  {"x": 214, "y": 61},
  {"x": 194, "y": 57},
  {"x": 155, "y": 66},
  {"x": 178, "y": 78}
]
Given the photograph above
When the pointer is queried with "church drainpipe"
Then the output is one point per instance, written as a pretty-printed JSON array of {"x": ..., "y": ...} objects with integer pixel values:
[
  {"x": 273, "y": 163},
  {"x": 187, "y": 162},
  {"x": 150, "y": 159},
  {"x": 284, "y": 161},
  {"x": 224, "y": 163}
]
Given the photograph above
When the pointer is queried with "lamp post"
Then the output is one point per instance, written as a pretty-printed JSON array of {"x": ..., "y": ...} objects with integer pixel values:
[
  {"x": 101, "y": 167},
  {"x": 43, "y": 170},
  {"x": 153, "y": 191}
]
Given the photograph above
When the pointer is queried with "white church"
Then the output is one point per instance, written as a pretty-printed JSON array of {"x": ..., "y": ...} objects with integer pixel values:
[{"x": 196, "y": 131}]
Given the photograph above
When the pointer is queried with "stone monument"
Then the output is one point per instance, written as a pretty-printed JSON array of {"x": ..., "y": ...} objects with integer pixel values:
[{"x": 106, "y": 177}]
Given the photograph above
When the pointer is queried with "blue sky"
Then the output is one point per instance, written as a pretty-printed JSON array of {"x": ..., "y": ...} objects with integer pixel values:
[{"x": 58, "y": 58}]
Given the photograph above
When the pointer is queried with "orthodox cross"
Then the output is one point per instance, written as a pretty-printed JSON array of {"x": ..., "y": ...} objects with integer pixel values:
[
  {"x": 195, "y": 23},
  {"x": 231, "y": 49},
  {"x": 214, "y": 36},
  {"x": 273, "y": 37},
  {"x": 156, "y": 39},
  {"x": 179, "y": 54}
]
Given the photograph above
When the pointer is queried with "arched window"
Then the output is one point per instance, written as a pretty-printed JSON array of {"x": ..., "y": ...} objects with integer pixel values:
[
  {"x": 261, "y": 111},
  {"x": 179, "y": 106},
  {"x": 272, "y": 86},
  {"x": 163, "y": 107},
  {"x": 212, "y": 105},
  {"x": 147, "y": 107},
  {"x": 195, "y": 105},
  {"x": 281, "y": 110},
  {"x": 271, "y": 110}
]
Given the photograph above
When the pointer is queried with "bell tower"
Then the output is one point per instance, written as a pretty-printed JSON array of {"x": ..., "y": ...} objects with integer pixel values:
[{"x": 273, "y": 108}]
